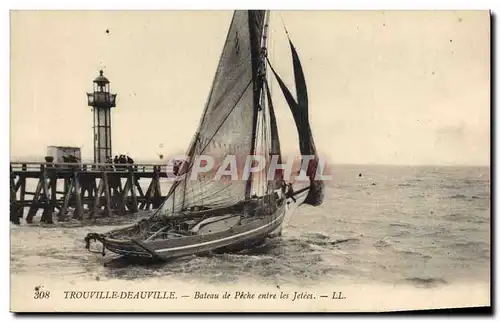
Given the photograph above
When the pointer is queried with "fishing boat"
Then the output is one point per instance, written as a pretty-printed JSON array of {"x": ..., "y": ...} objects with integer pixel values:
[{"x": 213, "y": 215}]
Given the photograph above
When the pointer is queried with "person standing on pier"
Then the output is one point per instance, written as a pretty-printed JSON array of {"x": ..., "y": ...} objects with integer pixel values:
[
  {"x": 131, "y": 161},
  {"x": 109, "y": 161}
]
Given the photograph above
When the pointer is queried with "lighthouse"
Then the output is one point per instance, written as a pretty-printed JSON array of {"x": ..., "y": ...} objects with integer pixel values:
[{"x": 101, "y": 100}]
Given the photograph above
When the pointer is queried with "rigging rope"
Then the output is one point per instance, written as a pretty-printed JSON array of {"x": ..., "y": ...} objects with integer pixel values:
[{"x": 284, "y": 27}]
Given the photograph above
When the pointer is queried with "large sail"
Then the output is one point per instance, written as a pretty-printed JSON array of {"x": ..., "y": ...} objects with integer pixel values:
[
  {"x": 227, "y": 126},
  {"x": 300, "y": 112}
]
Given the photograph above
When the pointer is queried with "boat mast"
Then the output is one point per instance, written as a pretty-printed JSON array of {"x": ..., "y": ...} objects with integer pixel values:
[
  {"x": 266, "y": 99},
  {"x": 265, "y": 135},
  {"x": 257, "y": 59}
]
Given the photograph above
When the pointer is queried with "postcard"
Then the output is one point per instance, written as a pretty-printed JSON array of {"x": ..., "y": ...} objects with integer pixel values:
[{"x": 249, "y": 161}]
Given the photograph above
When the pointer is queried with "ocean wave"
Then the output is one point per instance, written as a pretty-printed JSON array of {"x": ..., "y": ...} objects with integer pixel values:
[
  {"x": 481, "y": 196},
  {"x": 425, "y": 281},
  {"x": 450, "y": 186},
  {"x": 321, "y": 239},
  {"x": 383, "y": 243},
  {"x": 387, "y": 244},
  {"x": 317, "y": 236},
  {"x": 399, "y": 224},
  {"x": 301, "y": 245},
  {"x": 343, "y": 241},
  {"x": 455, "y": 217},
  {"x": 408, "y": 252},
  {"x": 469, "y": 229},
  {"x": 476, "y": 196},
  {"x": 470, "y": 244},
  {"x": 478, "y": 220},
  {"x": 474, "y": 181}
]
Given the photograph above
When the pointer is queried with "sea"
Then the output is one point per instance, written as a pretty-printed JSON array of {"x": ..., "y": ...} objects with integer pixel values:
[{"x": 419, "y": 228}]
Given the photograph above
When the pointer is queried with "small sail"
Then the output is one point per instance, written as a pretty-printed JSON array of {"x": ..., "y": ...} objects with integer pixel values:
[
  {"x": 275, "y": 141},
  {"x": 299, "y": 109}
]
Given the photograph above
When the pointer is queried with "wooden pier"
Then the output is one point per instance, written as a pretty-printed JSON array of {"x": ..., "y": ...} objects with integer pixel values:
[{"x": 89, "y": 189}]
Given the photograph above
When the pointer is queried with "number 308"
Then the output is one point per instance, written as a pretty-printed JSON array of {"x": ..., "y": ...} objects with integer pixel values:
[{"x": 40, "y": 295}]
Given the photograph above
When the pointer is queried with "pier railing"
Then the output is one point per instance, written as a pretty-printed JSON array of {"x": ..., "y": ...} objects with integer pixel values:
[{"x": 91, "y": 167}]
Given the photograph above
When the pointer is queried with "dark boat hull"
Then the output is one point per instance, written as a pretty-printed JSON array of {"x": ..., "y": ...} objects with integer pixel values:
[
  {"x": 238, "y": 237},
  {"x": 243, "y": 236}
]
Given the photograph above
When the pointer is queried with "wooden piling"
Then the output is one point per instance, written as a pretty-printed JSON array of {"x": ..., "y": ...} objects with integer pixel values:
[{"x": 134, "y": 208}]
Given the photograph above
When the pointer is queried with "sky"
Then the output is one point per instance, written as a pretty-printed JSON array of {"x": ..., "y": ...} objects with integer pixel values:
[{"x": 385, "y": 87}]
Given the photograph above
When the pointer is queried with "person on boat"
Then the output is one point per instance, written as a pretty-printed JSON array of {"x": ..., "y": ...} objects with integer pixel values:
[
  {"x": 289, "y": 193},
  {"x": 176, "y": 167},
  {"x": 283, "y": 188}
]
